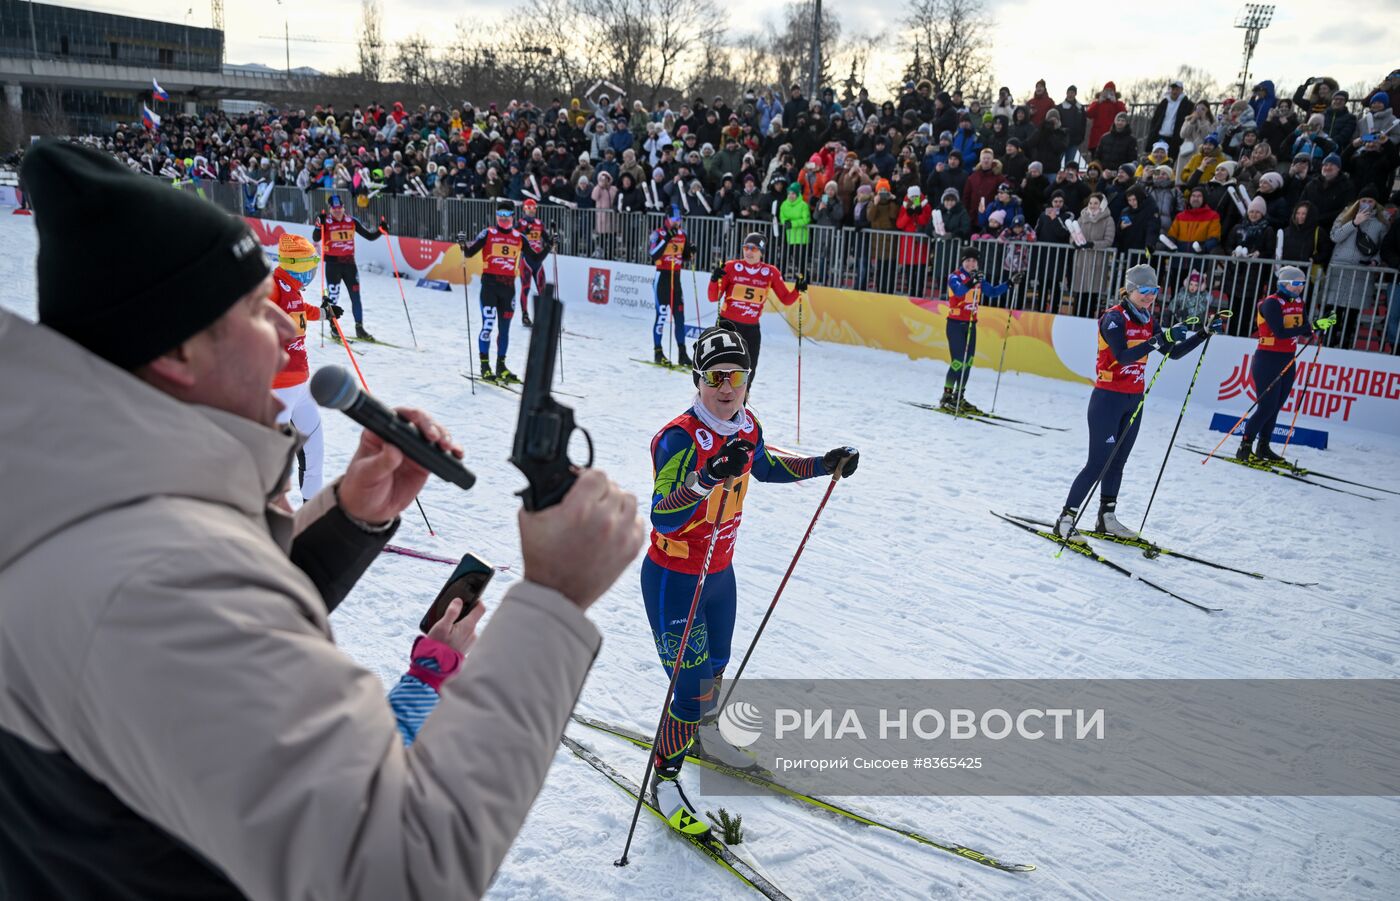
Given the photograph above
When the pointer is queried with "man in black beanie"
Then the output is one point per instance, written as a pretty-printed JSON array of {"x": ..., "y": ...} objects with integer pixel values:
[{"x": 175, "y": 719}]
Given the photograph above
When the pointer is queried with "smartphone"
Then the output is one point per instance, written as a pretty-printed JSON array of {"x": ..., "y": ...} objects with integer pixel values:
[{"x": 467, "y": 582}]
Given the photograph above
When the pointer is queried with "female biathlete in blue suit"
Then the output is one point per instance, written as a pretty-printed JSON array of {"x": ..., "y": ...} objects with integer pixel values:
[{"x": 715, "y": 439}]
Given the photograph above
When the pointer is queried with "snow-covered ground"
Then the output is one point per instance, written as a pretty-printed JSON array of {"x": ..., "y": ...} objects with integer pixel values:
[{"x": 908, "y": 576}]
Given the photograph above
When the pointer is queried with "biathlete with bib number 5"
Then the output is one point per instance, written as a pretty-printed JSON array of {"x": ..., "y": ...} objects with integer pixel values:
[
  {"x": 716, "y": 439},
  {"x": 742, "y": 286}
]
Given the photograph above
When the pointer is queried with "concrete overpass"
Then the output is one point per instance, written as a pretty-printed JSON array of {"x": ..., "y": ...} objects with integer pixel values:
[{"x": 18, "y": 72}]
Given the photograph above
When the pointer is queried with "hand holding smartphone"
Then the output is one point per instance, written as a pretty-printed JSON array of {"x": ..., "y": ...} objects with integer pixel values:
[{"x": 467, "y": 582}]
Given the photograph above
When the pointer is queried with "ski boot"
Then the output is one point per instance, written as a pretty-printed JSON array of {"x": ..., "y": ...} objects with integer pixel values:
[
  {"x": 525, "y": 319},
  {"x": 675, "y": 807},
  {"x": 486, "y": 374},
  {"x": 659, "y": 357},
  {"x": 711, "y": 745},
  {"x": 968, "y": 406},
  {"x": 1064, "y": 526},
  {"x": 1244, "y": 452},
  {"x": 504, "y": 376},
  {"x": 683, "y": 360},
  {"x": 1266, "y": 454},
  {"x": 361, "y": 334},
  {"x": 1108, "y": 523},
  {"x": 948, "y": 401}
]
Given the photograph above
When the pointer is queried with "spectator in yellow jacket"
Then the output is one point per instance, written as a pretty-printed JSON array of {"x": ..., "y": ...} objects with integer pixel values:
[{"x": 1201, "y": 166}]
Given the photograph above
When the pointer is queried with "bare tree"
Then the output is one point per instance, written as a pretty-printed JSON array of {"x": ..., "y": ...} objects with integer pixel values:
[
  {"x": 371, "y": 43},
  {"x": 949, "y": 43},
  {"x": 648, "y": 42},
  {"x": 792, "y": 47},
  {"x": 1197, "y": 83}
]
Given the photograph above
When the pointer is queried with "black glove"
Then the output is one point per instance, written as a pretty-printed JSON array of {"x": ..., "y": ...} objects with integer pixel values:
[
  {"x": 800, "y": 283},
  {"x": 689, "y": 252},
  {"x": 1172, "y": 335},
  {"x": 383, "y": 224},
  {"x": 1017, "y": 278},
  {"x": 321, "y": 218},
  {"x": 718, "y": 273},
  {"x": 833, "y": 456},
  {"x": 730, "y": 461},
  {"x": 1215, "y": 324},
  {"x": 331, "y": 308},
  {"x": 462, "y": 240}
]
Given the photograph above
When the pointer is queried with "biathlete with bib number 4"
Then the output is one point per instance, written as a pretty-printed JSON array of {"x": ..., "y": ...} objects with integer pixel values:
[
  {"x": 742, "y": 286},
  {"x": 716, "y": 439}
]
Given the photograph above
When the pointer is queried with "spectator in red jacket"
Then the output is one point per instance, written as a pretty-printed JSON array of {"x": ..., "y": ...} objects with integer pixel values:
[
  {"x": 1101, "y": 112},
  {"x": 982, "y": 181},
  {"x": 915, "y": 216},
  {"x": 1040, "y": 103}
]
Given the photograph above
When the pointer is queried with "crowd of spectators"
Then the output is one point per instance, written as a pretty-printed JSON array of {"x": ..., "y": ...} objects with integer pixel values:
[{"x": 1308, "y": 178}]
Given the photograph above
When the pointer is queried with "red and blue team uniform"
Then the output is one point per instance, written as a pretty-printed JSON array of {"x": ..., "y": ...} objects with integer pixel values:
[
  {"x": 683, "y": 518},
  {"x": 669, "y": 248},
  {"x": 337, "y": 245},
  {"x": 537, "y": 244},
  {"x": 965, "y": 293},
  {"x": 501, "y": 250},
  {"x": 1280, "y": 323},
  {"x": 1126, "y": 337},
  {"x": 741, "y": 293},
  {"x": 286, "y": 295}
]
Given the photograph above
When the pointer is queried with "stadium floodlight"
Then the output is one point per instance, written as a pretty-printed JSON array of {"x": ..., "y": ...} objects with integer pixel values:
[{"x": 1254, "y": 18}]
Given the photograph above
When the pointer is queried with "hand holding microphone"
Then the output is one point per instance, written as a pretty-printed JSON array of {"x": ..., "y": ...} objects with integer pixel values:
[{"x": 396, "y": 452}]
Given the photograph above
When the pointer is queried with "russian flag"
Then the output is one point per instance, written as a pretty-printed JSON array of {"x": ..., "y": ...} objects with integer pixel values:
[
  {"x": 148, "y": 118},
  {"x": 158, "y": 92}
]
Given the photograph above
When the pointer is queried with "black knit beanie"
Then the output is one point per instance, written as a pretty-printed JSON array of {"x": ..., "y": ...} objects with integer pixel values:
[
  {"x": 720, "y": 344},
  {"x": 130, "y": 267}
]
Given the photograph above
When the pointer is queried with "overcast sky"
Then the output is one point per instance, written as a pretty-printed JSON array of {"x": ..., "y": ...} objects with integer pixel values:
[{"x": 1033, "y": 38}]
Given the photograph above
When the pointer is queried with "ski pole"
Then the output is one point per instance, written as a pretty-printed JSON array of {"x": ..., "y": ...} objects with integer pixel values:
[
  {"x": 1117, "y": 446},
  {"x": 671, "y": 311},
  {"x": 1223, "y": 314},
  {"x": 467, "y": 299},
  {"x": 1231, "y": 430},
  {"x": 676, "y": 667},
  {"x": 324, "y": 296},
  {"x": 695, "y": 292},
  {"x": 560, "y": 355},
  {"x": 835, "y": 477},
  {"x": 799, "y": 367},
  {"x": 1302, "y": 398},
  {"x": 393, "y": 264},
  {"x": 1001, "y": 363},
  {"x": 336, "y": 323},
  {"x": 962, "y": 366}
]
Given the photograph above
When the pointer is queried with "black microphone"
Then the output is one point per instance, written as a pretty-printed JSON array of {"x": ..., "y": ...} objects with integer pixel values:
[{"x": 335, "y": 388}]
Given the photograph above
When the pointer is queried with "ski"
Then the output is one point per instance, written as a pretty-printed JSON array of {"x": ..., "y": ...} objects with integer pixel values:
[
  {"x": 974, "y": 417},
  {"x": 1303, "y": 471},
  {"x": 710, "y": 846},
  {"x": 582, "y": 335},
  {"x": 829, "y": 807},
  {"x": 1048, "y": 428},
  {"x": 434, "y": 558},
  {"x": 1272, "y": 469},
  {"x": 1086, "y": 551},
  {"x": 368, "y": 341},
  {"x": 514, "y": 387},
  {"x": 671, "y": 366},
  {"x": 1151, "y": 551}
]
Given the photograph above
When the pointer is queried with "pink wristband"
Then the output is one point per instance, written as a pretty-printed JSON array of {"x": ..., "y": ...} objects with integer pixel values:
[{"x": 427, "y": 651}]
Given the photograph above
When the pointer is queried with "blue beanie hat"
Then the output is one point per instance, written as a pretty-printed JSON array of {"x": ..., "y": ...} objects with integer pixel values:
[
  {"x": 1212, "y": 138},
  {"x": 1332, "y": 158},
  {"x": 1381, "y": 97}
]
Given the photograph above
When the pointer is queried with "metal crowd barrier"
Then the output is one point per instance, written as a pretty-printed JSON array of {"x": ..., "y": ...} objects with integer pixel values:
[{"x": 1049, "y": 278}]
